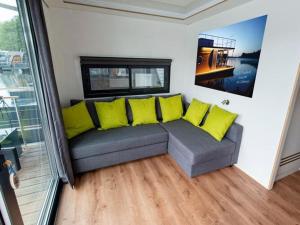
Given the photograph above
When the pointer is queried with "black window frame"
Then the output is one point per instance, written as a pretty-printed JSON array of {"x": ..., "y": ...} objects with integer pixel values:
[{"x": 88, "y": 62}]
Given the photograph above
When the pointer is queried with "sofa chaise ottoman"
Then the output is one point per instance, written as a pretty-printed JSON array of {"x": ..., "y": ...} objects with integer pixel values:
[{"x": 197, "y": 152}]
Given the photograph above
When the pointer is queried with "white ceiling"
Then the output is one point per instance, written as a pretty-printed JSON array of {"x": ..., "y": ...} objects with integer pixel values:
[
  {"x": 175, "y": 2},
  {"x": 180, "y": 10}
]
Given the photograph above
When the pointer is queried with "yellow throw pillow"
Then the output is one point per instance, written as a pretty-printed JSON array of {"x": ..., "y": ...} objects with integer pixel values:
[
  {"x": 76, "y": 120},
  {"x": 171, "y": 108},
  {"x": 112, "y": 114},
  {"x": 218, "y": 122},
  {"x": 143, "y": 111},
  {"x": 196, "y": 112}
]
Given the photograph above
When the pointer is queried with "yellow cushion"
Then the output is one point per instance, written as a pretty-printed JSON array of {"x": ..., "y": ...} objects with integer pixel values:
[
  {"x": 196, "y": 112},
  {"x": 112, "y": 114},
  {"x": 143, "y": 111},
  {"x": 76, "y": 120},
  {"x": 218, "y": 122},
  {"x": 171, "y": 108}
]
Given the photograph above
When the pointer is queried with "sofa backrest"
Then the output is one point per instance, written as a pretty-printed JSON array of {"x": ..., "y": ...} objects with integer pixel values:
[
  {"x": 91, "y": 107},
  {"x": 128, "y": 108},
  {"x": 92, "y": 110}
]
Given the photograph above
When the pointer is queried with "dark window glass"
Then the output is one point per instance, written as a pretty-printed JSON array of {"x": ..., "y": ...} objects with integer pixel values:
[{"x": 109, "y": 78}]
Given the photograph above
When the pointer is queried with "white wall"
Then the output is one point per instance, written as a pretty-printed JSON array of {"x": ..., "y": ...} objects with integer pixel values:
[
  {"x": 75, "y": 33},
  {"x": 262, "y": 115}
]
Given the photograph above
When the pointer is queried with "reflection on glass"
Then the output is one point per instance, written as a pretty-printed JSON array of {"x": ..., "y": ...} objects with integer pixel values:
[
  {"x": 21, "y": 128},
  {"x": 109, "y": 78},
  {"x": 148, "y": 77},
  {"x": 242, "y": 81}
]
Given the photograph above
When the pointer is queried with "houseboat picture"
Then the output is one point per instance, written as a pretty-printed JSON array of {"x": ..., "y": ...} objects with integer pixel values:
[
  {"x": 228, "y": 57},
  {"x": 212, "y": 57}
]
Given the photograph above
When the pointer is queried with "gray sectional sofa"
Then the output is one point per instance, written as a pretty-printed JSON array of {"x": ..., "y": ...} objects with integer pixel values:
[{"x": 194, "y": 150}]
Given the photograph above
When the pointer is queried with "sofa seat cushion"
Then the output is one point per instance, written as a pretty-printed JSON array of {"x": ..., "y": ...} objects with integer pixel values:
[
  {"x": 97, "y": 142},
  {"x": 195, "y": 144}
]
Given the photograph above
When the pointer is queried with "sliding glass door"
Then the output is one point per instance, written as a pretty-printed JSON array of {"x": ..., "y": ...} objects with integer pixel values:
[{"x": 24, "y": 134}]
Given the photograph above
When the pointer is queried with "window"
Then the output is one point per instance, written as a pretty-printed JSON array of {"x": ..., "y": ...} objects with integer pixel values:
[
  {"x": 109, "y": 78},
  {"x": 148, "y": 77},
  {"x": 124, "y": 76},
  {"x": 25, "y": 137}
]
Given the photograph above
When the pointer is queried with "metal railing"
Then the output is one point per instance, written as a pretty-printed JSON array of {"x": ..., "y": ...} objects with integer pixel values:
[
  {"x": 221, "y": 42},
  {"x": 24, "y": 118}
]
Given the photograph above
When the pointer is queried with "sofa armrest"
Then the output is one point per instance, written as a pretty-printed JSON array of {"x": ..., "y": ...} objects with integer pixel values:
[{"x": 235, "y": 134}]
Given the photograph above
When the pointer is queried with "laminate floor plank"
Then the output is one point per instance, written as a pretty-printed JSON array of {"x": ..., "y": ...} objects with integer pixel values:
[{"x": 155, "y": 191}]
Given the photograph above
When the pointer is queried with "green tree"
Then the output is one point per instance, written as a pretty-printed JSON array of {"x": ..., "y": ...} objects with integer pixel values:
[{"x": 11, "y": 38}]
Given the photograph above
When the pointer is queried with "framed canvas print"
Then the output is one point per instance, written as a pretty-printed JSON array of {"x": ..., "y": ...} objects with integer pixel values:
[{"x": 228, "y": 57}]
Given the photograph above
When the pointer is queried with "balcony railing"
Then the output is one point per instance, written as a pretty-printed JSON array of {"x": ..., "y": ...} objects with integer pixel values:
[
  {"x": 221, "y": 42},
  {"x": 24, "y": 118}
]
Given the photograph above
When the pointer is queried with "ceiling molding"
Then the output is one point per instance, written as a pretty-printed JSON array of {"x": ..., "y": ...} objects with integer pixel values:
[
  {"x": 187, "y": 14},
  {"x": 229, "y": 4},
  {"x": 159, "y": 9}
]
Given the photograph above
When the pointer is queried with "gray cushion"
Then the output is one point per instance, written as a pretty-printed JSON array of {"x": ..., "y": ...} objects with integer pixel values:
[
  {"x": 96, "y": 142},
  {"x": 195, "y": 144},
  {"x": 128, "y": 108},
  {"x": 91, "y": 107},
  {"x": 113, "y": 158},
  {"x": 157, "y": 105}
]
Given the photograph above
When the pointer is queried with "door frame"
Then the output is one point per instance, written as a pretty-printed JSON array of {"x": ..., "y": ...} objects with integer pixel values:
[
  {"x": 47, "y": 213},
  {"x": 287, "y": 122},
  {"x": 55, "y": 186}
]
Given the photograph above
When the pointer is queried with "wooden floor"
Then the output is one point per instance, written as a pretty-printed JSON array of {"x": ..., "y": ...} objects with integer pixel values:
[
  {"x": 155, "y": 191},
  {"x": 34, "y": 176}
]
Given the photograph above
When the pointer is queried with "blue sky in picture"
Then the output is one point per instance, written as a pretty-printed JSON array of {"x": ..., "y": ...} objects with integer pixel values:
[{"x": 248, "y": 34}]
